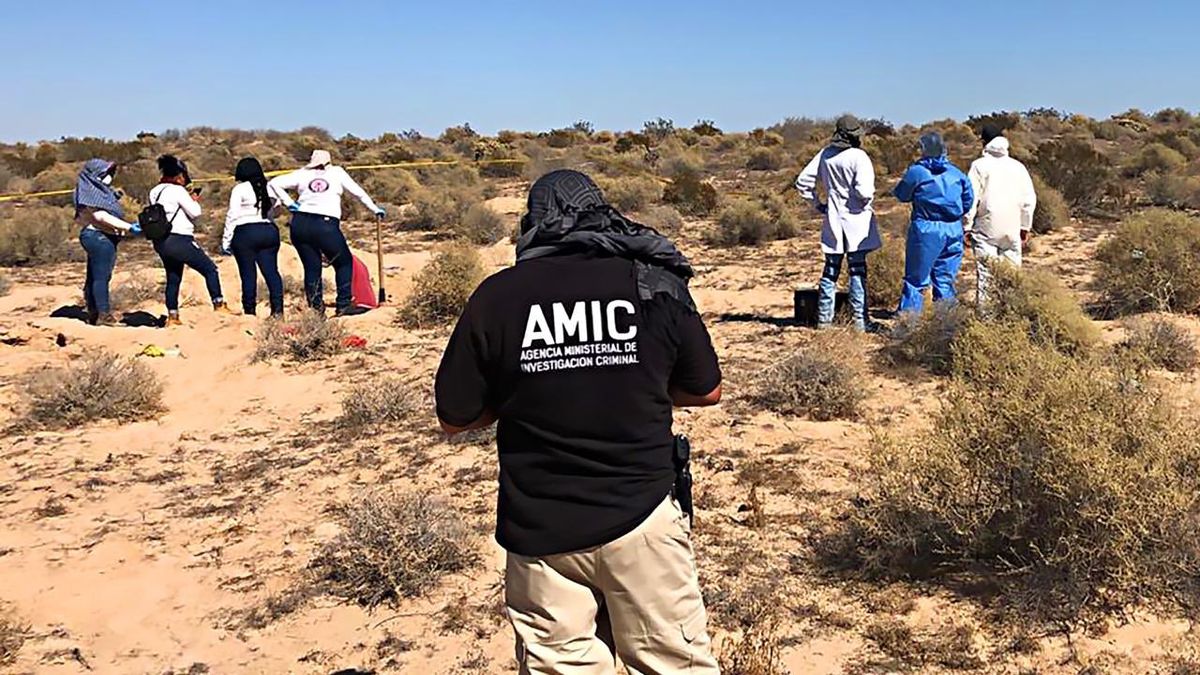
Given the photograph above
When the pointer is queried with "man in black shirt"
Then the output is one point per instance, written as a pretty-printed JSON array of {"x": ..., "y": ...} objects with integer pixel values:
[{"x": 580, "y": 351}]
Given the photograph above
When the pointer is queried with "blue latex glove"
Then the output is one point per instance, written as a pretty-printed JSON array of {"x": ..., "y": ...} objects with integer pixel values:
[
  {"x": 135, "y": 230},
  {"x": 294, "y": 207}
]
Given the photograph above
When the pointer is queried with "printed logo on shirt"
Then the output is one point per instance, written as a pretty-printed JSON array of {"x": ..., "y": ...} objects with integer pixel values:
[
  {"x": 584, "y": 334},
  {"x": 318, "y": 185}
]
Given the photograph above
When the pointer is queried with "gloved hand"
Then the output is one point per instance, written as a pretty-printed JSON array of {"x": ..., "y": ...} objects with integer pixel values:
[
  {"x": 823, "y": 209},
  {"x": 380, "y": 213},
  {"x": 294, "y": 207},
  {"x": 135, "y": 230}
]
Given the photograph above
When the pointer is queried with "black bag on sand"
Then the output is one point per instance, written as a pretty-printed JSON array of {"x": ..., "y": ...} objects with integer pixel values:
[{"x": 154, "y": 221}]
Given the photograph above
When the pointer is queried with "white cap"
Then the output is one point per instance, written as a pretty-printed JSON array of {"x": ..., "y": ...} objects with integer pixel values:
[{"x": 319, "y": 158}]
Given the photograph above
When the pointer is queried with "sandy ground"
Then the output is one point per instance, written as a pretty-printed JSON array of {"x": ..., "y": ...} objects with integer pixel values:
[{"x": 135, "y": 548}]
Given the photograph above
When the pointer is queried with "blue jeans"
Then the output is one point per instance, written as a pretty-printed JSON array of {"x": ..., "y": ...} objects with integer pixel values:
[
  {"x": 858, "y": 288},
  {"x": 101, "y": 251},
  {"x": 178, "y": 251},
  {"x": 258, "y": 244},
  {"x": 933, "y": 256},
  {"x": 314, "y": 235}
]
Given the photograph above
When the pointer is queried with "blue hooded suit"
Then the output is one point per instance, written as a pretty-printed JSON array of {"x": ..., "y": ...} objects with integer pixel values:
[{"x": 940, "y": 195}]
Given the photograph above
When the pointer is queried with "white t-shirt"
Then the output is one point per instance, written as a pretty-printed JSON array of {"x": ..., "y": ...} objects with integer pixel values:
[
  {"x": 320, "y": 190},
  {"x": 242, "y": 211},
  {"x": 181, "y": 208}
]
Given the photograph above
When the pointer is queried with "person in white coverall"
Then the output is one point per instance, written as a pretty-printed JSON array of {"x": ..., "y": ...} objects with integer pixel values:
[
  {"x": 850, "y": 229},
  {"x": 999, "y": 223}
]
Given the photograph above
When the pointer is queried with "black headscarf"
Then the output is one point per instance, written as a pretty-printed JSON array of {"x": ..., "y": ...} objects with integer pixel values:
[
  {"x": 567, "y": 214},
  {"x": 848, "y": 133},
  {"x": 250, "y": 171}
]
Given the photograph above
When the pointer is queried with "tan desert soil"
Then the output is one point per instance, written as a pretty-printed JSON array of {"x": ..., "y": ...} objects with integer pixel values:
[{"x": 163, "y": 533}]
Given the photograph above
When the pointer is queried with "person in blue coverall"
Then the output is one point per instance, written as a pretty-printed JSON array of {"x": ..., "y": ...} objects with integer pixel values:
[{"x": 940, "y": 195}]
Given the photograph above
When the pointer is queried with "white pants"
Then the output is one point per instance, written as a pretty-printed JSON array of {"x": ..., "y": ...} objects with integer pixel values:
[{"x": 985, "y": 254}]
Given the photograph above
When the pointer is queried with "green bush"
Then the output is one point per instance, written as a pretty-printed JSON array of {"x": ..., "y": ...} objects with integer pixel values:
[
  {"x": 1036, "y": 300},
  {"x": 1073, "y": 482},
  {"x": 1152, "y": 263},
  {"x": 1051, "y": 213},
  {"x": 1172, "y": 190},
  {"x": 35, "y": 234},
  {"x": 439, "y": 209},
  {"x": 752, "y": 222},
  {"x": 885, "y": 271},
  {"x": 689, "y": 193},
  {"x": 1158, "y": 157},
  {"x": 632, "y": 193},
  {"x": 1076, "y": 169},
  {"x": 441, "y": 289}
]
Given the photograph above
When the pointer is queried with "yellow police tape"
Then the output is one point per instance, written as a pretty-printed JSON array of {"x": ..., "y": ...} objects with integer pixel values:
[{"x": 16, "y": 197}]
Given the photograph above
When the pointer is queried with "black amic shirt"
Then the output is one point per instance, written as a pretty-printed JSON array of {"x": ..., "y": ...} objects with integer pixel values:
[{"x": 577, "y": 370}]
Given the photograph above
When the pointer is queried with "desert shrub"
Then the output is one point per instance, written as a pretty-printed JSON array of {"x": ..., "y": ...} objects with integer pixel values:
[
  {"x": 439, "y": 209},
  {"x": 441, "y": 289},
  {"x": 101, "y": 385},
  {"x": 1036, "y": 300},
  {"x": 758, "y": 650},
  {"x": 13, "y": 634},
  {"x": 1152, "y": 262},
  {"x": 743, "y": 221},
  {"x": 309, "y": 336},
  {"x": 1073, "y": 481},
  {"x": 659, "y": 129},
  {"x": 135, "y": 290},
  {"x": 5, "y": 285},
  {"x": 765, "y": 159},
  {"x": 1158, "y": 157},
  {"x": 821, "y": 380},
  {"x": 1164, "y": 344},
  {"x": 926, "y": 339},
  {"x": 705, "y": 128},
  {"x": 367, "y": 405},
  {"x": 632, "y": 193},
  {"x": 1004, "y": 120},
  {"x": 37, "y": 235},
  {"x": 481, "y": 225},
  {"x": 28, "y": 163},
  {"x": 1172, "y": 190},
  {"x": 895, "y": 153},
  {"x": 676, "y": 159},
  {"x": 393, "y": 545},
  {"x": 691, "y": 195},
  {"x": 665, "y": 219},
  {"x": 1076, "y": 169},
  {"x": 1051, "y": 213},
  {"x": 885, "y": 271}
]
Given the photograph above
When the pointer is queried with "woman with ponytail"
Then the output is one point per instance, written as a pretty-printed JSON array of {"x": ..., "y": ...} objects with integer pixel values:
[{"x": 251, "y": 236}]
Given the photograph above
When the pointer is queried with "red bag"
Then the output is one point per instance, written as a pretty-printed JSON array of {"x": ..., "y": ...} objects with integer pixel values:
[{"x": 362, "y": 291}]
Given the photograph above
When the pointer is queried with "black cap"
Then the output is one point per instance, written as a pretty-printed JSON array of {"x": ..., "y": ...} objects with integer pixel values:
[{"x": 990, "y": 132}]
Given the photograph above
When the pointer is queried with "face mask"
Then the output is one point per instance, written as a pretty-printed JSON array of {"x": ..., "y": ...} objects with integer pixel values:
[{"x": 108, "y": 179}]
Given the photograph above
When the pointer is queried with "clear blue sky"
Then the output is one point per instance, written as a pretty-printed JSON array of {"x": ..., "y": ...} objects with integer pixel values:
[{"x": 76, "y": 67}]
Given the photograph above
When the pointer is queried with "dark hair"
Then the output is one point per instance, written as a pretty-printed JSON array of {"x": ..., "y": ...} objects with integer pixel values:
[
  {"x": 173, "y": 167},
  {"x": 250, "y": 171},
  {"x": 990, "y": 132}
]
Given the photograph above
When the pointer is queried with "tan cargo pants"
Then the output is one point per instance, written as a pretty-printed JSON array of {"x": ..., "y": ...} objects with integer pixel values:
[{"x": 637, "y": 597}]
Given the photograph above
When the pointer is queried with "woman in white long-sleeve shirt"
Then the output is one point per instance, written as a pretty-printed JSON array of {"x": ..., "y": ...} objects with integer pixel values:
[
  {"x": 98, "y": 211},
  {"x": 251, "y": 236},
  {"x": 316, "y": 225},
  {"x": 850, "y": 229},
  {"x": 179, "y": 248}
]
